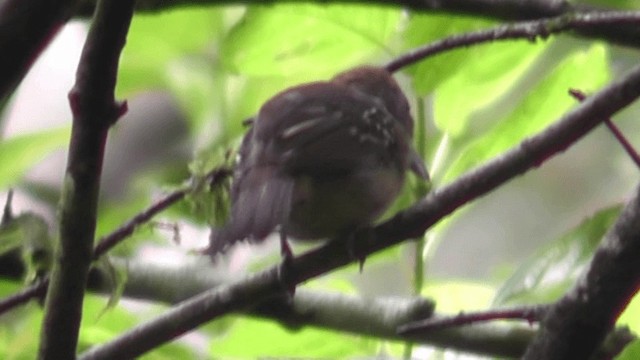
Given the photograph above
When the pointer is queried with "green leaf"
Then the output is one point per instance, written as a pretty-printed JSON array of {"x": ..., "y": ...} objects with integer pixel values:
[
  {"x": 490, "y": 72},
  {"x": 199, "y": 91},
  {"x": 548, "y": 100},
  {"x": 252, "y": 338},
  {"x": 20, "y": 336},
  {"x": 307, "y": 39},
  {"x": 615, "y": 4},
  {"x": 630, "y": 352},
  {"x": 631, "y": 315},
  {"x": 423, "y": 29},
  {"x": 155, "y": 40},
  {"x": 455, "y": 295},
  {"x": 550, "y": 272},
  {"x": 18, "y": 154},
  {"x": 99, "y": 326}
]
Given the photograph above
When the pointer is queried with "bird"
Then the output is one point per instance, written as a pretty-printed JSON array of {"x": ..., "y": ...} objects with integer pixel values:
[{"x": 321, "y": 160}]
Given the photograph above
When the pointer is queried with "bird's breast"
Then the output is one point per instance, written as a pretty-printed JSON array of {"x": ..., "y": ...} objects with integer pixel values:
[{"x": 329, "y": 207}]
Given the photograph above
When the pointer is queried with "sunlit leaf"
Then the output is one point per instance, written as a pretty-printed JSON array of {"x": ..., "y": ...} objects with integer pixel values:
[
  {"x": 99, "y": 326},
  {"x": 631, "y": 315},
  {"x": 18, "y": 154},
  {"x": 630, "y": 352},
  {"x": 252, "y": 338},
  {"x": 487, "y": 76},
  {"x": 423, "y": 29},
  {"x": 155, "y": 40},
  {"x": 547, "y": 101},
  {"x": 453, "y": 296},
  {"x": 285, "y": 40}
]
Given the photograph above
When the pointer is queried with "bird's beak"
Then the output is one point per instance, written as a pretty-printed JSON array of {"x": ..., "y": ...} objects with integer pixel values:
[{"x": 416, "y": 164}]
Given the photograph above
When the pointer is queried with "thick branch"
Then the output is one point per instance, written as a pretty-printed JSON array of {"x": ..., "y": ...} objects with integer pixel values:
[
  {"x": 26, "y": 27},
  {"x": 576, "y": 325},
  {"x": 352, "y": 314},
  {"x": 506, "y": 10},
  {"x": 408, "y": 224},
  {"x": 94, "y": 110}
]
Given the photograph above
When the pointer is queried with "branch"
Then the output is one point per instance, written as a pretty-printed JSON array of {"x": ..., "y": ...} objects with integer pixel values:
[
  {"x": 34, "y": 23},
  {"x": 504, "y": 10},
  {"x": 576, "y": 325},
  {"x": 376, "y": 317},
  {"x": 528, "y": 313},
  {"x": 529, "y": 30},
  {"x": 626, "y": 145},
  {"x": 94, "y": 110},
  {"x": 413, "y": 222},
  {"x": 213, "y": 179},
  {"x": 373, "y": 317},
  {"x": 27, "y": 26}
]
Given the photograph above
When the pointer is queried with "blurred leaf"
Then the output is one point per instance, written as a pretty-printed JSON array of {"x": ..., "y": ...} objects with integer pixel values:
[
  {"x": 631, "y": 315},
  {"x": 252, "y": 338},
  {"x": 113, "y": 214},
  {"x": 10, "y": 238},
  {"x": 547, "y": 101},
  {"x": 614, "y": 4},
  {"x": 28, "y": 234},
  {"x": 22, "y": 336},
  {"x": 37, "y": 245},
  {"x": 423, "y": 29},
  {"x": 200, "y": 93},
  {"x": 630, "y": 352},
  {"x": 116, "y": 278},
  {"x": 18, "y": 154},
  {"x": 489, "y": 73},
  {"x": 99, "y": 326},
  {"x": 453, "y": 296},
  {"x": 155, "y": 40},
  {"x": 550, "y": 272},
  {"x": 285, "y": 40}
]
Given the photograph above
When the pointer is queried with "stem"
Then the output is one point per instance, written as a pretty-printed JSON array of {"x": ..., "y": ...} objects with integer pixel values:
[{"x": 94, "y": 110}]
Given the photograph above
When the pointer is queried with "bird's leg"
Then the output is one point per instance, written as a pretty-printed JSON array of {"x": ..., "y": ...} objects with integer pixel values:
[
  {"x": 355, "y": 238},
  {"x": 285, "y": 268}
]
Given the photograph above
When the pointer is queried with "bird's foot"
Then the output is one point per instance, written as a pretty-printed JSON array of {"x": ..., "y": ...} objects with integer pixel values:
[{"x": 285, "y": 268}]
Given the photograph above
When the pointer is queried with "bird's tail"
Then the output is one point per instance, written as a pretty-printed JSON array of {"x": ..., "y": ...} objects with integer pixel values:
[{"x": 261, "y": 203}]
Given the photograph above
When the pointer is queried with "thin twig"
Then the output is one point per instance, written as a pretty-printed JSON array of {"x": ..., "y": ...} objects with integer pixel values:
[
  {"x": 530, "y": 314},
  {"x": 214, "y": 178},
  {"x": 529, "y": 30},
  {"x": 407, "y": 224},
  {"x": 37, "y": 290},
  {"x": 631, "y": 151}
]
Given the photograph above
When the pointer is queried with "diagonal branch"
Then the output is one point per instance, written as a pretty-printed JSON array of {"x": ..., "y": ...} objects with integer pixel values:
[
  {"x": 408, "y": 224},
  {"x": 530, "y": 30},
  {"x": 377, "y": 317},
  {"x": 94, "y": 110},
  {"x": 577, "y": 324},
  {"x": 527, "y": 29},
  {"x": 26, "y": 27}
]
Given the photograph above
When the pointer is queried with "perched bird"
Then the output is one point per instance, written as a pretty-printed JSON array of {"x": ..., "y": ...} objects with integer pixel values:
[{"x": 321, "y": 159}]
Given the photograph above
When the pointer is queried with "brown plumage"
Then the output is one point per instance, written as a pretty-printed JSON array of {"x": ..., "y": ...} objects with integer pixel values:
[{"x": 322, "y": 159}]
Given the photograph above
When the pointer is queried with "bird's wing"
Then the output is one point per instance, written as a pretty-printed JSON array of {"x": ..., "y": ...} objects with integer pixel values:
[{"x": 331, "y": 130}]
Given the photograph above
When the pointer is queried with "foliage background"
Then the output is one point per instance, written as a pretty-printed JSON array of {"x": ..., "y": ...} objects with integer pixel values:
[{"x": 194, "y": 74}]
